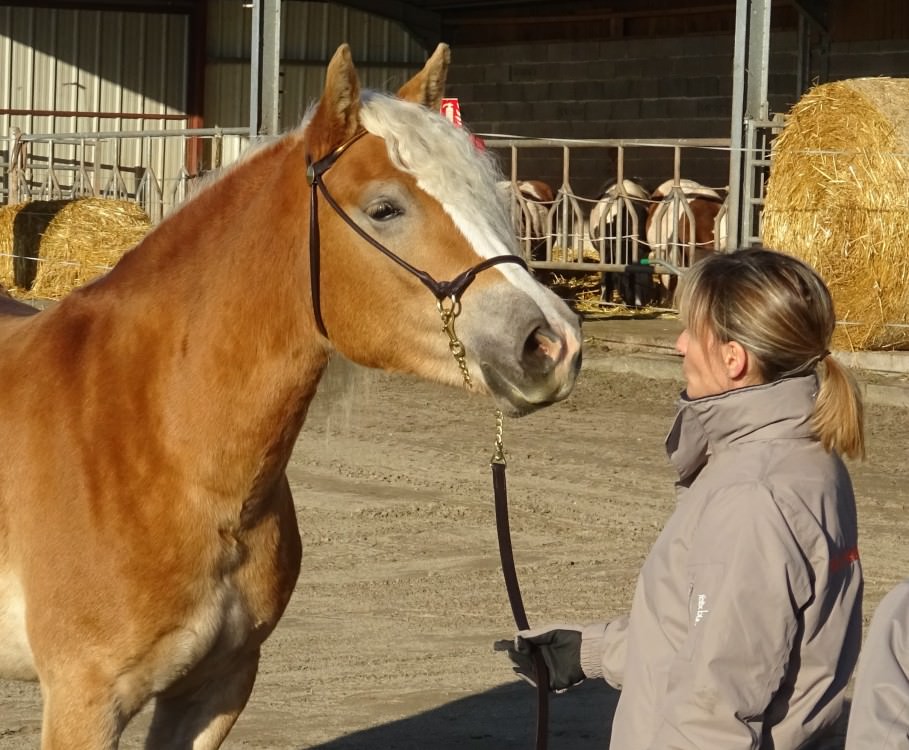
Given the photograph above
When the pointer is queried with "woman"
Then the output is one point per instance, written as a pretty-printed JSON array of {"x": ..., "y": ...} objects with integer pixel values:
[
  {"x": 746, "y": 619},
  {"x": 879, "y": 718}
]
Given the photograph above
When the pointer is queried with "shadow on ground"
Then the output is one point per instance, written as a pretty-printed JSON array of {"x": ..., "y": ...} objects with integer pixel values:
[{"x": 499, "y": 719}]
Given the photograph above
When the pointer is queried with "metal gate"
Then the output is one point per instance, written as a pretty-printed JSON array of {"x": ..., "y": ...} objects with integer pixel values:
[
  {"x": 147, "y": 167},
  {"x": 558, "y": 234}
]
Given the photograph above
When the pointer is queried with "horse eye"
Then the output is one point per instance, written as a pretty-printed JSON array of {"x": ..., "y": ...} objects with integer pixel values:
[{"x": 383, "y": 211}]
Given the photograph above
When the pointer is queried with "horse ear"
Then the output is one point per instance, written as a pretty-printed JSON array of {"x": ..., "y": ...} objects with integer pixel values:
[
  {"x": 337, "y": 116},
  {"x": 428, "y": 86}
]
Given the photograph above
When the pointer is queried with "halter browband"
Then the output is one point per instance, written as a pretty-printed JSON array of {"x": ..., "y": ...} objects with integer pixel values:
[{"x": 440, "y": 289}]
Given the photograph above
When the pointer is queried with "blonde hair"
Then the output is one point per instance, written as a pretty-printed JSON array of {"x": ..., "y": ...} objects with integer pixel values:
[{"x": 781, "y": 312}]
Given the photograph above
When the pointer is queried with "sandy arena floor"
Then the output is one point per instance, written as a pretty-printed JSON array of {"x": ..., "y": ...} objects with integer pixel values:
[{"x": 387, "y": 643}]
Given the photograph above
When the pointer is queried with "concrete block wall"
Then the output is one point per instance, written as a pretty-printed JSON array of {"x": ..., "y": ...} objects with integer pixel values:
[
  {"x": 861, "y": 59},
  {"x": 659, "y": 88}
]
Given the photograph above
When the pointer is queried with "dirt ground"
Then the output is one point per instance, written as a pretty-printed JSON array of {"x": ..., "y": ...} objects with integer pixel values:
[{"x": 387, "y": 643}]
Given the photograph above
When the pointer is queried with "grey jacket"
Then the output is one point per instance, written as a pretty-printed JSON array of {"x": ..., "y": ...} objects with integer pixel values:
[
  {"x": 879, "y": 718},
  {"x": 746, "y": 620}
]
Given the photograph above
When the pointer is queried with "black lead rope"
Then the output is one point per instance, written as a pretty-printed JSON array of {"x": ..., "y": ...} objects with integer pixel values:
[
  {"x": 500, "y": 490},
  {"x": 441, "y": 290}
]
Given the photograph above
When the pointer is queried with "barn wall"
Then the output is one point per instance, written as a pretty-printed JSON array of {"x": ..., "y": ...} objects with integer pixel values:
[
  {"x": 135, "y": 63},
  {"x": 385, "y": 53},
  {"x": 90, "y": 61},
  {"x": 66, "y": 71},
  {"x": 857, "y": 20},
  {"x": 864, "y": 58},
  {"x": 659, "y": 88},
  {"x": 87, "y": 71},
  {"x": 666, "y": 87}
]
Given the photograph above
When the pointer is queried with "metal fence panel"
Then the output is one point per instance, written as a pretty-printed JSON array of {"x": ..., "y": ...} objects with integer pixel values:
[
  {"x": 566, "y": 232},
  {"x": 143, "y": 166}
]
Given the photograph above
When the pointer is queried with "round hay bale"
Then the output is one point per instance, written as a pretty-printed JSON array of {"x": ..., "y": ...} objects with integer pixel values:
[
  {"x": 837, "y": 197},
  {"x": 48, "y": 248}
]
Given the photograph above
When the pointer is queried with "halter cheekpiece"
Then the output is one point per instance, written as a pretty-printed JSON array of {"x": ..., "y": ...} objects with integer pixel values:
[{"x": 440, "y": 289}]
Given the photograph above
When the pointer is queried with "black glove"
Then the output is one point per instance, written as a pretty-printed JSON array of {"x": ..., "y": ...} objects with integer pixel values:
[{"x": 560, "y": 646}]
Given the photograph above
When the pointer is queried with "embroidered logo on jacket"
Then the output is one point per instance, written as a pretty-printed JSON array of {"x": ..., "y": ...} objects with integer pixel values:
[{"x": 702, "y": 608}]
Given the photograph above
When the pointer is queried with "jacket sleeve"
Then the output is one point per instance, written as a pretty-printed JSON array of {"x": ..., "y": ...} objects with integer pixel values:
[
  {"x": 747, "y": 582},
  {"x": 603, "y": 648},
  {"x": 879, "y": 717}
]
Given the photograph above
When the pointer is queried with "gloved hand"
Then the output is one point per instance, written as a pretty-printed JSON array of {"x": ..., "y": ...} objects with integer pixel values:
[{"x": 560, "y": 646}]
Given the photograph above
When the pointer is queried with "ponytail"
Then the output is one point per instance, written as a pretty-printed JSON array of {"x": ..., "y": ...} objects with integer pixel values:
[{"x": 838, "y": 417}]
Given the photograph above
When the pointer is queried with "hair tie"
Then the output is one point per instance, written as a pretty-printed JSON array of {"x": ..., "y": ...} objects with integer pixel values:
[{"x": 806, "y": 367}]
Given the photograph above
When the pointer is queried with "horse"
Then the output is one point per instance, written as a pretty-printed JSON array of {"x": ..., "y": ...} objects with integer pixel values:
[
  {"x": 680, "y": 236},
  {"x": 529, "y": 203},
  {"x": 148, "y": 539},
  {"x": 616, "y": 227}
]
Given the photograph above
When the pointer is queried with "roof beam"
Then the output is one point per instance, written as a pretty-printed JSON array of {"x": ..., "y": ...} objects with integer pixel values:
[{"x": 137, "y": 6}]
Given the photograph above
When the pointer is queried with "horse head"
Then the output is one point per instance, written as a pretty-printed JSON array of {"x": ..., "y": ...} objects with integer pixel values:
[{"x": 409, "y": 196}]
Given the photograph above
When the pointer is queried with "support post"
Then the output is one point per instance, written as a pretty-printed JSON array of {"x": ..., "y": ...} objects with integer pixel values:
[
  {"x": 751, "y": 61},
  {"x": 265, "y": 69},
  {"x": 271, "y": 68},
  {"x": 255, "y": 59},
  {"x": 15, "y": 162}
]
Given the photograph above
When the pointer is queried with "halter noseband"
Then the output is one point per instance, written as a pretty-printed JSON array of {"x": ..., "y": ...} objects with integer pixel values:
[{"x": 440, "y": 289}]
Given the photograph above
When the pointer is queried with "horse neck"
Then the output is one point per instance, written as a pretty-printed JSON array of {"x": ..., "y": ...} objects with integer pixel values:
[{"x": 225, "y": 280}]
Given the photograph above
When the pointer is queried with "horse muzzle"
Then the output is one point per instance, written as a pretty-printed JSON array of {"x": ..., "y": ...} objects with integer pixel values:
[{"x": 538, "y": 363}]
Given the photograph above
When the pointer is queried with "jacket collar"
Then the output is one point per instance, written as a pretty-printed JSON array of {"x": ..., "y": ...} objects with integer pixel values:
[{"x": 781, "y": 409}]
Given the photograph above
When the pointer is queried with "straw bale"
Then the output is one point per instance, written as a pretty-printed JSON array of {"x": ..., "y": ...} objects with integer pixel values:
[
  {"x": 838, "y": 197},
  {"x": 48, "y": 248},
  {"x": 7, "y": 213}
]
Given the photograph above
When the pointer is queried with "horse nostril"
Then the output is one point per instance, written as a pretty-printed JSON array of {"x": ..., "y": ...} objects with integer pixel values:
[{"x": 542, "y": 350}]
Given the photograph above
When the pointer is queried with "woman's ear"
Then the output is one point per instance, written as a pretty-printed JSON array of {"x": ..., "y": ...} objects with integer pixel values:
[{"x": 737, "y": 362}]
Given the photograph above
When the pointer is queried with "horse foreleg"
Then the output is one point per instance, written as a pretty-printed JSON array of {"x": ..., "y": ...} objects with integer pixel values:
[
  {"x": 201, "y": 720},
  {"x": 78, "y": 716}
]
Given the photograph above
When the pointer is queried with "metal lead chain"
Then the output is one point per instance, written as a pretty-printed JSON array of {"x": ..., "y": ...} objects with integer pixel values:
[
  {"x": 455, "y": 345},
  {"x": 449, "y": 309},
  {"x": 498, "y": 455}
]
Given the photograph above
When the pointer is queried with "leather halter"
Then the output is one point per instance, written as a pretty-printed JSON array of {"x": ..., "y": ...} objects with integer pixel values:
[{"x": 440, "y": 289}]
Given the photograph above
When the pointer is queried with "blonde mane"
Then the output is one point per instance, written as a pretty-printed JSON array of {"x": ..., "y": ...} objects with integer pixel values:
[{"x": 447, "y": 165}]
